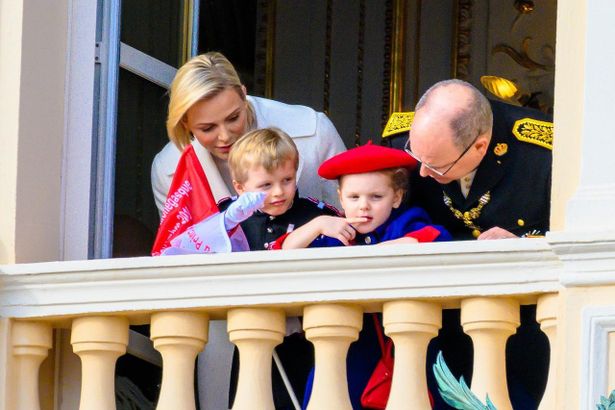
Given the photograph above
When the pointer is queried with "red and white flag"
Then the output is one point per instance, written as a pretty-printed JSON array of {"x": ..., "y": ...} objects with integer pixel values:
[{"x": 190, "y": 202}]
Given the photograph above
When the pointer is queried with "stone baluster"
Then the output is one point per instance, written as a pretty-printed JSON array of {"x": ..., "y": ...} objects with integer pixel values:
[
  {"x": 490, "y": 322},
  {"x": 255, "y": 332},
  {"x": 179, "y": 337},
  {"x": 411, "y": 325},
  {"x": 546, "y": 315},
  {"x": 331, "y": 328},
  {"x": 99, "y": 341},
  {"x": 31, "y": 342}
]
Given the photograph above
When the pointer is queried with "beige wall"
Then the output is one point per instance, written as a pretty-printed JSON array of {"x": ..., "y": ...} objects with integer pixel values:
[
  {"x": 33, "y": 38},
  {"x": 569, "y": 105},
  {"x": 10, "y": 57},
  {"x": 4, "y": 362},
  {"x": 574, "y": 301}
]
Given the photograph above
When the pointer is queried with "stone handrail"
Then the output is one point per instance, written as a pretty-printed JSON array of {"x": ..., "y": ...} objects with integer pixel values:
[{"x": 437, "y": 270}]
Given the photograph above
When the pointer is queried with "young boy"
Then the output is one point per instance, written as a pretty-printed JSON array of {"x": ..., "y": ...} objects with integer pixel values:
[
  {"x": 372, "y": 183},
  {"x": 267, "y": 160}
]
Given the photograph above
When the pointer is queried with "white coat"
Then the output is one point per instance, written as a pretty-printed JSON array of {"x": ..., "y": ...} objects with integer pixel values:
[{"x": 313, "y": 133}]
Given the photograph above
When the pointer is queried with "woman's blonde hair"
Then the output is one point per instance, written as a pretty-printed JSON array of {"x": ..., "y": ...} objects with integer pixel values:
[
  {"x": 203, "y": 77},
  {"x": 267, "y": 147}
]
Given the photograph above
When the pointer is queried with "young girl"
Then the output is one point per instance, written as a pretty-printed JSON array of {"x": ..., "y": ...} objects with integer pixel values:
[{"x": 372, "y": 183}]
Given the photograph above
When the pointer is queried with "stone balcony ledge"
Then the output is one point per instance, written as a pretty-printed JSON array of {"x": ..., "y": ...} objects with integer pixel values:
[{"x": 288, "y": 278}]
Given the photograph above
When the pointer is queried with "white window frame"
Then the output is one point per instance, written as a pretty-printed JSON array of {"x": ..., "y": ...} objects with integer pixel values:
[{"x": 94, "y": 59}]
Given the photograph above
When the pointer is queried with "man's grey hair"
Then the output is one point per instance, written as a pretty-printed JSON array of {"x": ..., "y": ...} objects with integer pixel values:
[{"x": 473, "y": 120}]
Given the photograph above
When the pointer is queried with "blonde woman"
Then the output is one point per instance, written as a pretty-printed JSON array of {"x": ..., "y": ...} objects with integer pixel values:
[{"x": 209, "y": 108}]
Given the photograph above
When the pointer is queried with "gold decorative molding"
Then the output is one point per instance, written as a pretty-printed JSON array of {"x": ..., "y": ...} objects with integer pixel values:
[
  {"x": 386, "y": 62},
  {"x": 269, "y": 58},
  {"x": 264, "y": 48},
  {"x": 417, "y": 52},
  {"x": 360, "y": 69},
  {"x": 522, "y": 57},
  {"x": 462, "y": 44},
  {"x": 398, "y": 54},
  {"x": 328, "y": 33},
  {"x": 187, "y": 27}
]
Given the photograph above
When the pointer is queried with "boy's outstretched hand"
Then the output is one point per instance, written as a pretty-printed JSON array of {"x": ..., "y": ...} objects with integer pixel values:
[{"x": 243, "y": 208}]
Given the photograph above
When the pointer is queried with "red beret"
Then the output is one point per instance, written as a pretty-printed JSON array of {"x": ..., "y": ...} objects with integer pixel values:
[{"x": 366, "y": 158}]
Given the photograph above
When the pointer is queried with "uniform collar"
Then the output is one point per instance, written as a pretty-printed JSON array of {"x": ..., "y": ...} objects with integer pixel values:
[
  {"x": 489, "y": 172},
  {"x": 491, "y": 169}
]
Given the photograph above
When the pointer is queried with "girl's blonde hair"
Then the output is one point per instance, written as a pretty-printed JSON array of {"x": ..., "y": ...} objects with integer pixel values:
[
  {"x": 203, "y": 77},
  {"x": 399, "y": 178},
  {"x": 267, "y": 147}
]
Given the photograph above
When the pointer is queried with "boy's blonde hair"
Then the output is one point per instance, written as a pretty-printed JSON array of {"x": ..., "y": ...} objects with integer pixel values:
[
  {"x": 201, "y": 78},
  {"x": 267, "y": 147}
]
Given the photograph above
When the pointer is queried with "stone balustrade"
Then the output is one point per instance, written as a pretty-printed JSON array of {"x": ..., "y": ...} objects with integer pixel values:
[
  {"x": 331, "y": 327},
  {"x": 255, "y": 292}
]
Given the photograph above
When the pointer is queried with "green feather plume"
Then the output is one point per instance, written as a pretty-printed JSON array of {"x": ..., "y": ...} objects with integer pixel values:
[
  {"x": 457, "y": 393},
  {"x": 607, "y": 404}
]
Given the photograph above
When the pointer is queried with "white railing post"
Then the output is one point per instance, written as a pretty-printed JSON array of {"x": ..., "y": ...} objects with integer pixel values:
[
  {"x": 490, "y": 322},
  {"x": 31, "y": 343},
  {"x": 179, "y": 337},
  {"x": 411, "y": 325},
  {"x": 331, "y": 328},
  {"x": 99, "y": 341},
  {"x": 255, "y": 331},
  {"x": 546, "y": 315}
]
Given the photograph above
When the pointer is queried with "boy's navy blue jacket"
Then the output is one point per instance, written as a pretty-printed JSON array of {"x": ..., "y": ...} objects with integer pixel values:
[{"x": 262, "y": 229}]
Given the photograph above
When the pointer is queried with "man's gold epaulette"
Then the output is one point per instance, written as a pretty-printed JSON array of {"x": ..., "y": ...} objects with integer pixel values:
[
  {"x": 534, "y": 131},
  {"x": 398, "y": 122}
]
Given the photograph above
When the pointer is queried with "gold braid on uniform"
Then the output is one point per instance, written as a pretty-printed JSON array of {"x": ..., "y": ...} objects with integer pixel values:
[{"x": 468, "y": 217}]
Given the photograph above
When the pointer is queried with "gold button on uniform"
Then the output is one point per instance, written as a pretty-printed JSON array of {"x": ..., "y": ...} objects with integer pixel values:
[
  {"x": 520, "y": 222},
  {"x": 476, "y": 233}
]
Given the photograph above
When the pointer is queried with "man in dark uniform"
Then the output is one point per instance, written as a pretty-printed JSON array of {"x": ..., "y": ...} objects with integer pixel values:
[
  {"x": 485, "y": 173},
  {"x": 485, "y": 166}
]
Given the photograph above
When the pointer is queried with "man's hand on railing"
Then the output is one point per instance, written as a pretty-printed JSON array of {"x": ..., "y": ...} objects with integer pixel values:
[{"x": 496, "y": 233}]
